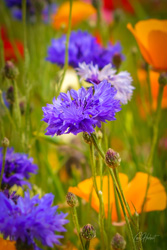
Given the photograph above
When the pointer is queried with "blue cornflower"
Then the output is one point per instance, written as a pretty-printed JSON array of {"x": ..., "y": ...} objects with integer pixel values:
[
  {"x": 18, "y": 167},
  {"x": 31, "y": 219},
  {"x": 82, "y": 48},
  {"x": 16, "y": 3},
  {"x": 82, "y": 110},
  {"x": 122, "y": 81}
]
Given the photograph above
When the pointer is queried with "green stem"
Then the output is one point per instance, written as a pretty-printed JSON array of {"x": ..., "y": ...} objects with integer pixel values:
[
  {"x": 153, "y": 145},
  {"x": 25, "y": 77},
  {"x": 92, "y": 158},
  {"x": 149, "y": 86},
  {"x": 76, "y": 224},
  {"x": 67, "y": 46},
  {"x": 87, "y": 244},
  {"x": 94, "y": 139},
  {"x": 3, "y": 165},
  {"x": 16, "y": 107},
  {"x": 2, "y": 52},
  {"x": 124, "y": 212}
]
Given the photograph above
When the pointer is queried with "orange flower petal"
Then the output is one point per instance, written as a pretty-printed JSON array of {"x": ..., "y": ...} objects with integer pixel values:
[
  {"x": 80, "y": 12},
  {"x": 7, "y": 245},
  {"x": 136, "y": 189}
]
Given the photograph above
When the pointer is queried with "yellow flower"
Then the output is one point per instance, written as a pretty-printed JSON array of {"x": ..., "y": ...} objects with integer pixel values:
[
  {"x": 7, "y": 245},
  {"x": 80, "y": 12},
  {"x": 134, "y": 192},
  {"x": 151, "y": 36}
]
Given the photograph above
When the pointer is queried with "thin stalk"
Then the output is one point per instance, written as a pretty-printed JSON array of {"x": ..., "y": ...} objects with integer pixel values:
[
  {"x": 154, "y": 143},
  {"x": 67, "y": 46},
  {"x": 3, "y": 165},
  {"x": 117, "y": 204},
  {"x": 16, "y": 107},
  {"x": 94, "y": 173},
  {"x": 2, "y": 53},
  {"x": 124, "y": 212},
  {"x": 101, "y": 217},
  {"x": 27, "y": 87},
  {"x": 76, "y": 224},
  {"x": 149, "y": 86}
]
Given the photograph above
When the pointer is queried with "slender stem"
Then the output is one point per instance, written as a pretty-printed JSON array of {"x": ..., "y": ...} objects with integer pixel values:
[
  {"x": 149, "y": 86},
  {"x": 76, "y": 224},
  {"x": 101, "y": 217},
  {"x": 92, "y": 158},
  {"x": 2, "y": 52},
  {"x": 154, "y": 143},
  {"x": 17, "y": 113},
  {"x": 87, "y": 244},
  {"x": 123, "y": 209},
  {"x": 117, "y": 204},
  {"x": 3, "y": 166},
  {"x": 67, "y": 46}
]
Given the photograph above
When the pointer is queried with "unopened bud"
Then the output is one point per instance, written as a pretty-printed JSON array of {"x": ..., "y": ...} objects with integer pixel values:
[
  {"x": 88, "y": 232},
  {"x": 99, "y": 135},
  {"x": 116, "y": 60},
  {"x": 87, "y": 138},
  {"x": 71, "y": 199},
  {"x": 10, "y": 95},
  {"x": 118, "y": 242},
  {"x": 5, "y": 142},
  {"x": 10, "y": 71},
  {"x": 112, "y": 158},
  {"x": 163, "y": 78}
]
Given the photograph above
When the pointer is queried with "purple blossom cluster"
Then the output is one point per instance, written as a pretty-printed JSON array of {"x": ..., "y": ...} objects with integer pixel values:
[
  {"x": 82, "y": 48},
  {"x": 31, "y": 219},
  {"x": 16, "y": 9},
  {"x": 18, "y": 168},
  {"x": 121, "y": 81},
  {"x": 82, "y": 110}
]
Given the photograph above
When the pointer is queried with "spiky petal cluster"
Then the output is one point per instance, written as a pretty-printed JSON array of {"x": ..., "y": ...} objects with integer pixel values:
[
  {"x": 82, "y": 110},
  {"x": 18, "y": 168},
  {"x": 31, "y": 219},
  {"x": 82, "y": 48},
  {"x": 122, "y": 81}
]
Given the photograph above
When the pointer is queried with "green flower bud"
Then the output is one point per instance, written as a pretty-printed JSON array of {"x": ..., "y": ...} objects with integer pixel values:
[
  {"x": 10, "y": 71},
  {"x": 5, "y": 142},
  {"x": 112, "y": 158},
  {"x": 163, "y": 78},
  {"x": 88, "y": 232},
  {"x": 118, "y": 242},
  {"x": 71, "y": 199},
  {"x": 87, "y": 138}
]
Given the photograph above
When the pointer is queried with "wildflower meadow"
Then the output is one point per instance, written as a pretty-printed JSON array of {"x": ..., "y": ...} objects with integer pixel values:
[{"x": 83, "y": 125}]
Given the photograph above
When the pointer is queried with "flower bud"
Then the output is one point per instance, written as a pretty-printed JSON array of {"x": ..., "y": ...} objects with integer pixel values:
[
  {"x": 5, "y": 142},
  {"x": 163, "y": 78},
  {"x": 112, "y": 158},
  {"x": 87, "y": 138},
  {"x": 10, "y": 95},
  {"x": 99, "y": 135},
  {"x": 118, "y": 242},
  {"x": 71, "y": 199},
  {"x": 88, "y": 232},
  {"x": 116, "y": 60},
  {"x": 10, "y": 71}
]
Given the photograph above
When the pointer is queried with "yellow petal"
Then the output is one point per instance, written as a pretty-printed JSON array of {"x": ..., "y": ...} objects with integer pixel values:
[{"x": 80, "y": 12}]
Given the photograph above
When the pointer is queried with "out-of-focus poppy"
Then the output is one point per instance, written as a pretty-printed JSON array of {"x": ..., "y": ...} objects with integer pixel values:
[
  {"x": 134, "y": 192},
  {"x": 11, "y": 50},
  {"x": 7, "y": 245},
  {"x": 142, "y": 75},
  {"x": 121, "y": 4},
  {"x": 151, "y": 36},
  {"x": 80, "y": 12}
]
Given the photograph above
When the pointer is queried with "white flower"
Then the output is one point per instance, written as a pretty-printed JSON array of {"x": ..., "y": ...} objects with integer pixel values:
[{"x": 122, "y": 81}]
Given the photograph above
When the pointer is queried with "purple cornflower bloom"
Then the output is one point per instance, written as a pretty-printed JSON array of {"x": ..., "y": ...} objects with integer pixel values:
[
  {"x": 16, "y": 3},
  {"x": 31, "y": 219},
  {"x": 122, "y": 81},
  {"x": 11, "y": 195},
  {"x": 82, "y": 48},
  {"x": 82, "y": 110},
  {"x": 18, "y": 167}
]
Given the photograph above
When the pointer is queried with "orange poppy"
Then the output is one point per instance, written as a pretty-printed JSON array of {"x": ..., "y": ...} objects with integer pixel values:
[
  {"x": 134, "y": 192},
  {"x": 7, "y": 245},
  {"x": 151, "y": 36},
  {"x": 80, "y": 12},
  {"x": 142, "y": 75}
]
